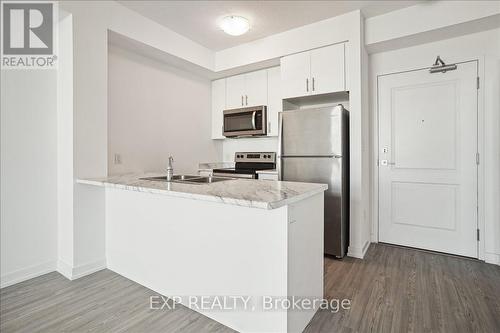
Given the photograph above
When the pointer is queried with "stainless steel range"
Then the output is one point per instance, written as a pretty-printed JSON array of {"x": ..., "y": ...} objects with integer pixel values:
[{"x": 247, "y": 165}]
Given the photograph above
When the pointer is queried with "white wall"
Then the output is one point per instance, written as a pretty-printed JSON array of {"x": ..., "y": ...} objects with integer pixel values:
[
  {"x": 484, "y": 47},
  {"x": 231, "y": 146},
  {"x": 440, "y": 20},
  {"x": 65, "y": 182},
  {"x": 28, "y": 174},
  {"x": 154, "y": 111},
  {"x": 91, "y": 23}
]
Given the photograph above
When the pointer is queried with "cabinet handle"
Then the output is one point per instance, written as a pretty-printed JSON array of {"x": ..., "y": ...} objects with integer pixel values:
[
  {"x": 307, "y": 84},
  {"x": 246, "y": 99},
  {"x": 313, "y": 84},
  {"x": 242, "y": 100},
  {"x": 268, "y": 127}
]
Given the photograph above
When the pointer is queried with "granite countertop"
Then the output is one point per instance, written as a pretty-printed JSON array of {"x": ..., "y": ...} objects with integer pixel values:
[{"x": 267, "y": 194}]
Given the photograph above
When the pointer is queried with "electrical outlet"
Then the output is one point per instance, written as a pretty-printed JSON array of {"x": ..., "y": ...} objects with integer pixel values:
[{"x": 118, "y": 159}]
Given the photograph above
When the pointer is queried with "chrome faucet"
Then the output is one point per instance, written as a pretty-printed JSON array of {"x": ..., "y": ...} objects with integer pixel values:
[{"x": 170, "y": 169}]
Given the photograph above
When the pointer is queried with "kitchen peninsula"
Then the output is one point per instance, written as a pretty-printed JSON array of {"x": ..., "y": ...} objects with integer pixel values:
[{"x": 253, "y": 238}]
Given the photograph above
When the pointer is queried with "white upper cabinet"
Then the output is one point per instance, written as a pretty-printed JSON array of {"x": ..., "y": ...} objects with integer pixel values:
[
  {"x": 218, "y": 106},
  {"x": 246, "y": 90},
  {"x": 295, "y": 74},
  {"x": 252, "y": 89},
  {"x": 256, "y": 88},
  {"x": 318, "y": 71},
  {"x": 327, "y": 69},
  {"x": 274, "y": 102},
  {"x": 235, "y": 91}
]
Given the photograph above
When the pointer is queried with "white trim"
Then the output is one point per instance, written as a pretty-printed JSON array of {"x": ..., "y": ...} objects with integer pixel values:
[
  {"x": 357, "y": 252},
  {"x": 64, "y": 269},
  {"x": 480, "y": 60},
  {"x": 27, "y": 273},
  {"x": 88, "y": 268},
  {"x": 481, "y": 222},
  {"x": 73, "y": 273},
  {"x": 492, "y": 258}
]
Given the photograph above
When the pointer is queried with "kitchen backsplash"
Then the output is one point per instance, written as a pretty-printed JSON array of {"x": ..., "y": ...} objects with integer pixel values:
[{"x": 230, "y": 146}]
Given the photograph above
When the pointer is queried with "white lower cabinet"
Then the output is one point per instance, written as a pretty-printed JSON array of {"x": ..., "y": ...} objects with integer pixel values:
[{"x": 268, "y": 176}]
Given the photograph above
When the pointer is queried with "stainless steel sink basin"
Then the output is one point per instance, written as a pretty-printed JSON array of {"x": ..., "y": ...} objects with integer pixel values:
[
  {"x": 188, "y": 179},
  {"x": 207, "y": 180}
]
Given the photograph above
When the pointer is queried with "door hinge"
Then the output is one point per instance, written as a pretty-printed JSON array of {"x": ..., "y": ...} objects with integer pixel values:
[
  {"x": 477, "y": 82},
  {"x": 477, "y": 235},
  {"x": 477, "y": 158}
]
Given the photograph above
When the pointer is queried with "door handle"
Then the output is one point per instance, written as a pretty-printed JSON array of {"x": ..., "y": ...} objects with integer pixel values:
[
  {"x": 253, "y": 120},
  {"x": 386, "y": 162}
]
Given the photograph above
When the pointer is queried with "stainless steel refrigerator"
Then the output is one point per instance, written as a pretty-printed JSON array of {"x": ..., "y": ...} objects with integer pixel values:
[{"x": 314, "y": 147}]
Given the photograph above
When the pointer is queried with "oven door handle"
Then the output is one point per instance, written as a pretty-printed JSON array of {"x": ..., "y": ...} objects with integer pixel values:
[
  {"x": 254, "y": 114},
  {"x": 234, "y": 175}
]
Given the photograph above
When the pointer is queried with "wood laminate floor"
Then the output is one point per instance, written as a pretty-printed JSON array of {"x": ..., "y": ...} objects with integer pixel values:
[{"x": 393, "y": 290}]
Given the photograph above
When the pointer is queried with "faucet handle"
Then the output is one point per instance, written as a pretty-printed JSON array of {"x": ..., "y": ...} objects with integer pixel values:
[{"x": 170, "y": 160}]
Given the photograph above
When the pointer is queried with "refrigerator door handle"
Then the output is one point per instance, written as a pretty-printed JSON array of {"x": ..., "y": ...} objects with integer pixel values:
[
  {"x": 280, "y": 145},
  {"x": 315, "y": 156}
]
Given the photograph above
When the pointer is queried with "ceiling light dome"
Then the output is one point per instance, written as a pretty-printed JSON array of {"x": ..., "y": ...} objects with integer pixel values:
[{"x": 234, "y": 25}]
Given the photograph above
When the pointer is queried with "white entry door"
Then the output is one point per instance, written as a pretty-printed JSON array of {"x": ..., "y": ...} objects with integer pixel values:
[{"x": 427, "y": 160}]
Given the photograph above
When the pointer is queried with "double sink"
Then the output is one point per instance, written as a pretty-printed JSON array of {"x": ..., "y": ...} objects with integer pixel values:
[{"x": 188, "y": 179}]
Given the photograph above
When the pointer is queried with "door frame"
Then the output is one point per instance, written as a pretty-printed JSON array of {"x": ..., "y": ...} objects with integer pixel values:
[{"x": 374, "y": 105}]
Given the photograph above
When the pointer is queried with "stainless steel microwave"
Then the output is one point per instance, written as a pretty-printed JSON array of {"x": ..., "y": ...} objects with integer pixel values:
[{"x": 250, "y": 121}]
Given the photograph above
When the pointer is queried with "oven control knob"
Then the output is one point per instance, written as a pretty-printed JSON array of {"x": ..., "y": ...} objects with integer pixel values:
[{"x": 265, "y": 156}]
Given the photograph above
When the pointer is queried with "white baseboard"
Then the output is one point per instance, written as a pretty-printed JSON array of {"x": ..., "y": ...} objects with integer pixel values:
[
  {"x": 88, "y": 268},
  {"x": 73, "y": 273},
  {"x": 27, "y": 273},
  {"x": 65, "y": 269},
  {"x": 492, "y": 258},
  {"x": 358, "y": 252}
]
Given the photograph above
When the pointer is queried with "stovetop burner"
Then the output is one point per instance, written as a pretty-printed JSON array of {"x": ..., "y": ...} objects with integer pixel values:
[{"x": 250, "y": 163}]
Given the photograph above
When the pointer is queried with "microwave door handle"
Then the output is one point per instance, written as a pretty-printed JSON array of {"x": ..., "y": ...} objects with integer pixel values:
[{"x": 254, "y": 114}]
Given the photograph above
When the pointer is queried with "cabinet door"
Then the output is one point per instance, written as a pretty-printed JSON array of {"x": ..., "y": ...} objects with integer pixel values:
[
  {"x": 268, "y": 176},
  {"x": 327, "y": 69},
  {"x": 295, "y": 75},
  {"x": 218, "y": 106},
  {"x": 274, "y": 102},
  {"x": 235, "y": 86},
  {"x": 256, "y": 88}
]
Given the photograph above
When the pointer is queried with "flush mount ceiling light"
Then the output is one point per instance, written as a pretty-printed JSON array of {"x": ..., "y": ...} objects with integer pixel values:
[{"x": 234, "y": 25}]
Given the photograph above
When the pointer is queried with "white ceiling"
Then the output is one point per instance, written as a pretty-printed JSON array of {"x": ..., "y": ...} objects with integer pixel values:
[{"x": 197, "y": 20}]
